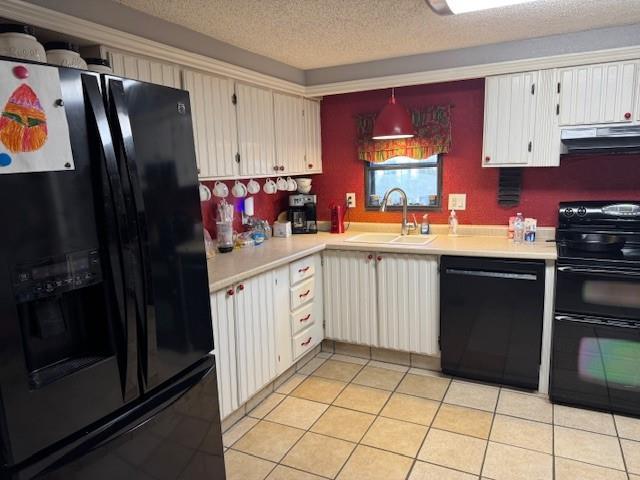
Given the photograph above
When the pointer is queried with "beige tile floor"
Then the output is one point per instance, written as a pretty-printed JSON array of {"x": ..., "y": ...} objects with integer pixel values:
[{"x": 349, "y": 419}]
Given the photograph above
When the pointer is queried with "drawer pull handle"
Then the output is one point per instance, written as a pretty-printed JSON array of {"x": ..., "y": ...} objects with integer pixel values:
[
  {"x": 305, "y": 318},
  {"x": 304, "y": 270},
  {"x": 304, "y": 344},
  {"x": 302, "y": 295},
  {"x": 230, "y": 292}
]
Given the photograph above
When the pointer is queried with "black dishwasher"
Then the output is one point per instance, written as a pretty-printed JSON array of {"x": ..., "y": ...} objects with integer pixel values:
[{"x": 491, "y": 313}]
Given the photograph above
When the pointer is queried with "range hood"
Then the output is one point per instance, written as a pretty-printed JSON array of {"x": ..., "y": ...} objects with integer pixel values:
[{"x": 620, "y": 139}]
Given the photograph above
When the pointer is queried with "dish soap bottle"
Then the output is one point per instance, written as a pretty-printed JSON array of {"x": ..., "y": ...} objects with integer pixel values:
[
  {"x": 424, "y": 226},
  {"x": 453, "y": 223}
]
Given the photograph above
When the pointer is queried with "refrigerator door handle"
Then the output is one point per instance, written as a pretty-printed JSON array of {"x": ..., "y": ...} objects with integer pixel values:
[
  {"x": 144, "y": 298},
  {"x": 117, "y": 218}
]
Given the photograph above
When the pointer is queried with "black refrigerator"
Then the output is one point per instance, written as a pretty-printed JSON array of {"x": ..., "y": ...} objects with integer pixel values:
[{"x": 105, "y": 333}]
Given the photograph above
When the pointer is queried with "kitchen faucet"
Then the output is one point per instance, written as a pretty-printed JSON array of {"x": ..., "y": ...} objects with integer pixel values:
[{"x": 406, "y": 225}]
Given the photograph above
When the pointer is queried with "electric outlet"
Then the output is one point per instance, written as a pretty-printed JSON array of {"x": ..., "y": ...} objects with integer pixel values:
[
  {"x": 457, "y": 201},
  {"x": 351, "y": 200}
]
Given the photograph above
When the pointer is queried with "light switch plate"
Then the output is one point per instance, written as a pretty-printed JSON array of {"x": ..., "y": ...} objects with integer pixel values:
[
  {"x": 457, "y": 201},
  {"x": 351, "y": 200}
]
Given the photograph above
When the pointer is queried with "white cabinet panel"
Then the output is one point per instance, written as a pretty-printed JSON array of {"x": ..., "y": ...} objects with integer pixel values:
[
  {"x": 601, "y": 93},
  {"x": 256, "y": 137},
  {"x": 546, "y": 136},
  {"x": 350, "y": 297},
  {"x": 407, "y": 287},
  {"x": 139, "y": 68},
  {"x": 284, "y": 352},
  {"x": 224, "y": 340},
  {"x": 214, "y": 123},
  {"x": 313, "y": 140},
  {"x": 509, "y": 119},
  {"x": 255, "y": 334},
  {"x": 289, "y": 132}
]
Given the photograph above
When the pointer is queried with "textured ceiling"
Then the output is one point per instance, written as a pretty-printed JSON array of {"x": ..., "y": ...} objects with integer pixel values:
[{"x": 320, "y": 33}]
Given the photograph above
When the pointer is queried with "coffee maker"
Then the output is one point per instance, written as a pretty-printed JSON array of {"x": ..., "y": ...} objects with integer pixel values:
[{"x": 302, "y": 213}]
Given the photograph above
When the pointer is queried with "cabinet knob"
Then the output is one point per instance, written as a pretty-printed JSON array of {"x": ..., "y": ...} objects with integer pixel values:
[
  {"x": 369, "y": 257},
  {"x": 487, "y": 159},
  {"x": 379, "y": 258},
  {"x": 281, "y": 168},
  {"x": 198, "y": 171},
  {"x": 627, "y": 115},
  {"x": 275, "y": 168},
  {"x": 310, "y": 166},
  {"x": 240, "y": 288},
  {"x": 230, "y": 292}
]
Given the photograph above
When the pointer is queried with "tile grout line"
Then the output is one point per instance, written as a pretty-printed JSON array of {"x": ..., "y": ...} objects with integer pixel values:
[{"x": 493, "y": 419}]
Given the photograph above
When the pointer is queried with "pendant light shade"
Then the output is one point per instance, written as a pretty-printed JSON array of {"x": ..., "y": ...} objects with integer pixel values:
[{"x": 393, "y": 122}]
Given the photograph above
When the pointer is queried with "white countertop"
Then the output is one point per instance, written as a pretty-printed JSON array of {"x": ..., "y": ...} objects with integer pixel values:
[{"x": 228, "y": 268}]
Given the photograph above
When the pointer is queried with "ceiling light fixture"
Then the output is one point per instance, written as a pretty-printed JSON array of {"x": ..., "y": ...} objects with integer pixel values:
[
  {"x": 454, "y": 7},
  {"x": 393, "y": 122}
]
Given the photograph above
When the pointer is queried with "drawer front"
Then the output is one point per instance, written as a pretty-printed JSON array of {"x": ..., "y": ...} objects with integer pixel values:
[
  {"x": 302, "y": 318},
  {"x": 302, "y": 269},
  {"x": 305, "y": 341},
  {"x": 302, "y": 293}
]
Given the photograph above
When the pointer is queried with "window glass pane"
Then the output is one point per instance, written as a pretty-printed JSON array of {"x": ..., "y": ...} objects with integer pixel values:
[{"x": 420, "y": 184}]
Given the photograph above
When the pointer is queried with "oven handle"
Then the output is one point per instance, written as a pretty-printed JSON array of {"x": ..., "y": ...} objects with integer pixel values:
[
  {"x": 599, "y": 321},
  {"x": 492, "y": 274},
  {"x": 599, "y": 271}
]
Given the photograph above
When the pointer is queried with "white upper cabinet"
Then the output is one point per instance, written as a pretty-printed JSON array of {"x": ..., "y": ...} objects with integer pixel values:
[
  {"x": 350, "y": 310},
  {"x": 509, "y": 119},
  {"x": 595, "y": 94},
  {"x": 407, "y": 291},
  {"x": 290, "y": 134},
  {"x": 139, "y": 68},
  {"x": 256, "y": 135},
  {"x": 521, "y": 121},
  {"x": 313, "y": 141},
  {"x": 213, "y": 114}
]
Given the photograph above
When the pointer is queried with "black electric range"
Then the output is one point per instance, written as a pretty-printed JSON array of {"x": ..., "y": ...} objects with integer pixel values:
[{"x": 596, "y": 332}]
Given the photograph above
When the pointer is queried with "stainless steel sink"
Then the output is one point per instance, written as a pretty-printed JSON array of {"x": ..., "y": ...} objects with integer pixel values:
[{"x": 392, "y": 238}]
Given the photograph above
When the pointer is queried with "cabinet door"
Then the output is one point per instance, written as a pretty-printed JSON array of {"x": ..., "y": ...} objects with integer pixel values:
[
  {"x": 214, "y": 124},
  {"x": 350, "y": 297},
  {"x": 601, "y": 93},
  {"x": 546, "y": 145},
  {"x": 284, "y": 352},
  {"x": 313, "y": 141},
  {"x": 256, "y": 138},
  {"x": 255, "y": 334},
  {"x": 289, "y": 130},
  {"x": 224, "y": 344},
  {"x": 408, "y": 302},
  {"x": 145, "y": 70},
  {"x": 509, "y": 119}
]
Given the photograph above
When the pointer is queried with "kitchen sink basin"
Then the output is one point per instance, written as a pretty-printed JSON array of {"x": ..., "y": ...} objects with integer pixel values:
[{"x": 392, "y": 238}]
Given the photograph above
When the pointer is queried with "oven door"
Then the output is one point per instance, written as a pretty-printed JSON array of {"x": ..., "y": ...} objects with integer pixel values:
[
  {"x": 595, "y": 363},
  {"x": 598, "y": 290}
]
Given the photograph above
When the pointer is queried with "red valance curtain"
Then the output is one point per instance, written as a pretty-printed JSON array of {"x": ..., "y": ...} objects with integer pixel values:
[{"x": 433, "y": 127}]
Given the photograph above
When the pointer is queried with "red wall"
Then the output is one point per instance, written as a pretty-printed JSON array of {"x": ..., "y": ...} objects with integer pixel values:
[
  {"x": 266, "y": 207},
  {"x": 578, "y": 178}
]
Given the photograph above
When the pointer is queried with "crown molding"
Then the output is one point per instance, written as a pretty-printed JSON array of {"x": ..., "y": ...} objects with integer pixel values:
[
  {"x": 475, "y": 71},
  {"x": 60, "y": 22}
]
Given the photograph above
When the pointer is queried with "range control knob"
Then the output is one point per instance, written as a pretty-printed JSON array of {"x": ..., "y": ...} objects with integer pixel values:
[
  {"x": 568, "y": 212},
  {"x": 582, "y": 211}
]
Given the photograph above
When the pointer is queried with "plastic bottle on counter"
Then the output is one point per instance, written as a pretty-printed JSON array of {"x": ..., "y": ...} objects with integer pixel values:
[
  {"x": 424, "y": 226},
  {"x": 453, "y": 223},
  {"x": 518, "y": 228}
]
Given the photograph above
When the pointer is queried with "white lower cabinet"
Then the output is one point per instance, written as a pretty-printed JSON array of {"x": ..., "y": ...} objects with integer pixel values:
[
  {"x": 408, "y": 302},
  {"x": 350, "y": 297},
  {"x": 382, "y": 299}
]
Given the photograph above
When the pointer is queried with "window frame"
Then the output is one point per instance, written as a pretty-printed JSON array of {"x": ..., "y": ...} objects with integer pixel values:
[{"x": 370, "y": 167}]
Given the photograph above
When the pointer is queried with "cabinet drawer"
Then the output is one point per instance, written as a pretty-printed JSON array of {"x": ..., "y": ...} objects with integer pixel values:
[
  {"x": 302, "y": 318},
  {"x": 301, "y": 269},
  {"x": 305, "y": 341},
  {"x": 302, "y": 293}
]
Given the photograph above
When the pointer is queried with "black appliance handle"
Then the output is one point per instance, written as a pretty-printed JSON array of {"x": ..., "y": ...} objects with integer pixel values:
[
  {"x": 144, "y": 299},
  {"x": 607, "y": 322},
  {"x": 116, "y": 217},
  {"x": 493, "y": 274},
  {"x": 599, "y": 271}
]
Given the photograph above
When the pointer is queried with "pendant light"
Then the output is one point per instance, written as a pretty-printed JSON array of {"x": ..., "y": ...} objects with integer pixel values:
[{"x": 393, "y": 122}]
